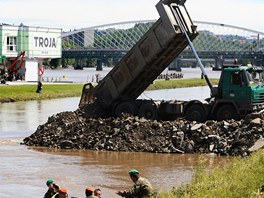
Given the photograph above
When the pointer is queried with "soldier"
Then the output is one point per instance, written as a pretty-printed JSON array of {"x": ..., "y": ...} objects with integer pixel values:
[
  {"x": 62, "y": 193},
  {"x": 52, "y": 189},
  {"x": 89, "y": 193},
  {"x": 141, "y": 189},
  {"x": 39, "y": 88}
]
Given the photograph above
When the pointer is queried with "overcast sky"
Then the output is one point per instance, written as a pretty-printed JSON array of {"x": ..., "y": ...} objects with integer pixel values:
[{"x": 75, "y": 14}]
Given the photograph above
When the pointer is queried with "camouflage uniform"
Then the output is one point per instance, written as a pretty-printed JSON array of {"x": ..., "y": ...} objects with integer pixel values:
[
  {"x": 91, "y": 196},
  {"x": 50, "y": 193},
  {"x": 141, "y": 189}
]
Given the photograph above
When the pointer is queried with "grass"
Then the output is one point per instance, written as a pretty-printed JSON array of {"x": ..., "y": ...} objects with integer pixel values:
[
  {"x": 28, "y": 92},
  {"x": 180, "y": 83},
  {"x": 239, "y": 178}
]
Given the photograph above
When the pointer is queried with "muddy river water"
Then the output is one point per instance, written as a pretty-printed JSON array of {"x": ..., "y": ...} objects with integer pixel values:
[{"x": 24, "y": 170}]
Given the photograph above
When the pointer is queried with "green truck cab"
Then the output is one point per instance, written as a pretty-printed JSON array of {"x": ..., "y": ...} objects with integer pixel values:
[{"x": 238, "y": 92}]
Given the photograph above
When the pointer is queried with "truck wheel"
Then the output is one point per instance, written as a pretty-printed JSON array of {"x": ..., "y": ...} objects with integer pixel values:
[
  {"x": 227, "y": 112},
  {"x": 128, "y": 107},
  {"x": 148, "y": 111},
  {"x": 195, "y": 113}
]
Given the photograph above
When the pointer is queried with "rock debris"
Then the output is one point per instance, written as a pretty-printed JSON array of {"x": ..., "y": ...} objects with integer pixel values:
[{"x": 85, "y": 129}]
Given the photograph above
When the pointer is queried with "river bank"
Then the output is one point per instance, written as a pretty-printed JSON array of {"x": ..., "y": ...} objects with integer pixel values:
[
  {"x": 242, "y": 177},
  {"x": 27, "y": 91},
  {"x": 22, "y": 91}
]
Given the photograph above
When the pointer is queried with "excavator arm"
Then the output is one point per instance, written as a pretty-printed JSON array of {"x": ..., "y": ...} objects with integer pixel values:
[{"x": 12, "y": 66}]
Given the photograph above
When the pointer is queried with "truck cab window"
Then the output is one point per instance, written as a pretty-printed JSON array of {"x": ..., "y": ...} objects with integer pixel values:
[
  {"x": 250, "y": 76},
  {"x": 236, "y": 78},
  {"x": 241, "y": 78}
]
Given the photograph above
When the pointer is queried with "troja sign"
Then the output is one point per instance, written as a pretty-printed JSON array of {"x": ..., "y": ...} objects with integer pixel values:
[{"x": 45, "y": 42}]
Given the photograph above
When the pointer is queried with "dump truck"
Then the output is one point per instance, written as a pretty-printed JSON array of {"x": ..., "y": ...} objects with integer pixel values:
[{"x": 118, "y": 91}]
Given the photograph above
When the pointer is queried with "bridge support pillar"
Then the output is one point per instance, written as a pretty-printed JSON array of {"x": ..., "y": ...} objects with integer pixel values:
[
  {"x": 115, "y": 60},
  {"x": 78, "y": 63},
  {"x": 63, "y": 62},
  {"x": 175, "y": 65},
  {"x": 219, "y": 61},
  {"x": 88, "y": 62},
  {"x": 99, "y": 65},
  {"x": 261, "y": 61}
]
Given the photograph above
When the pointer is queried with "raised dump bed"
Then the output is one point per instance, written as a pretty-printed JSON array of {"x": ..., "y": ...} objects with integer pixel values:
[{"x": 146, "y": 60}]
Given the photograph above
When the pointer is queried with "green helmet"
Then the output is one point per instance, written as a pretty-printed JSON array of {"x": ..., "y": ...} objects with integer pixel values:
[
  {"x": 133, "y": 172},
  {"x": 49, "y": 181}
]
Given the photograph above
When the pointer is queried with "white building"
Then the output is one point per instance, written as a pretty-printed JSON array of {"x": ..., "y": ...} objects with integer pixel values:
[{"x": 25, "y": 48}]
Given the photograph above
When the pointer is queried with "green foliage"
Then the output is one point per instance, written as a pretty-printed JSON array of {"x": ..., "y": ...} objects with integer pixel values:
[
  {"x": 55, "y": 62},
  {"x": 211, "y": 42},
  {"x": 120, "y": 38},
  {"x": 68, "y": 44},
  {"x": 242, "y": 177}
]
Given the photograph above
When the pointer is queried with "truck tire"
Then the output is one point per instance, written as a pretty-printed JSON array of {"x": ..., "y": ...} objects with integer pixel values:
[
  {"x": 128, "y": 107},
  {"x": 227, "y": 112},
  {"x": 149, "y": 111},
  {"x": 195, "y": 112}
]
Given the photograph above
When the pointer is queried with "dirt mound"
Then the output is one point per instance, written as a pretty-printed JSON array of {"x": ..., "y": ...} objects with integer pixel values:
[{"x": 81, "y": 130}]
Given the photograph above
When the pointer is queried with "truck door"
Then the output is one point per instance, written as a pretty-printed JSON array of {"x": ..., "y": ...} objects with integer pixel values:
[{"x": 238, "y": 86}]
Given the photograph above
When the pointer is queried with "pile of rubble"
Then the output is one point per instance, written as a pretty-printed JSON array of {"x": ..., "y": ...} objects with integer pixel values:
[{"x": 78, "y": 130}]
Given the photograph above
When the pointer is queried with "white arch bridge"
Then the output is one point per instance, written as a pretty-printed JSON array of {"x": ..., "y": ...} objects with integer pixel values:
[{"x": 106, "y": 44}]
